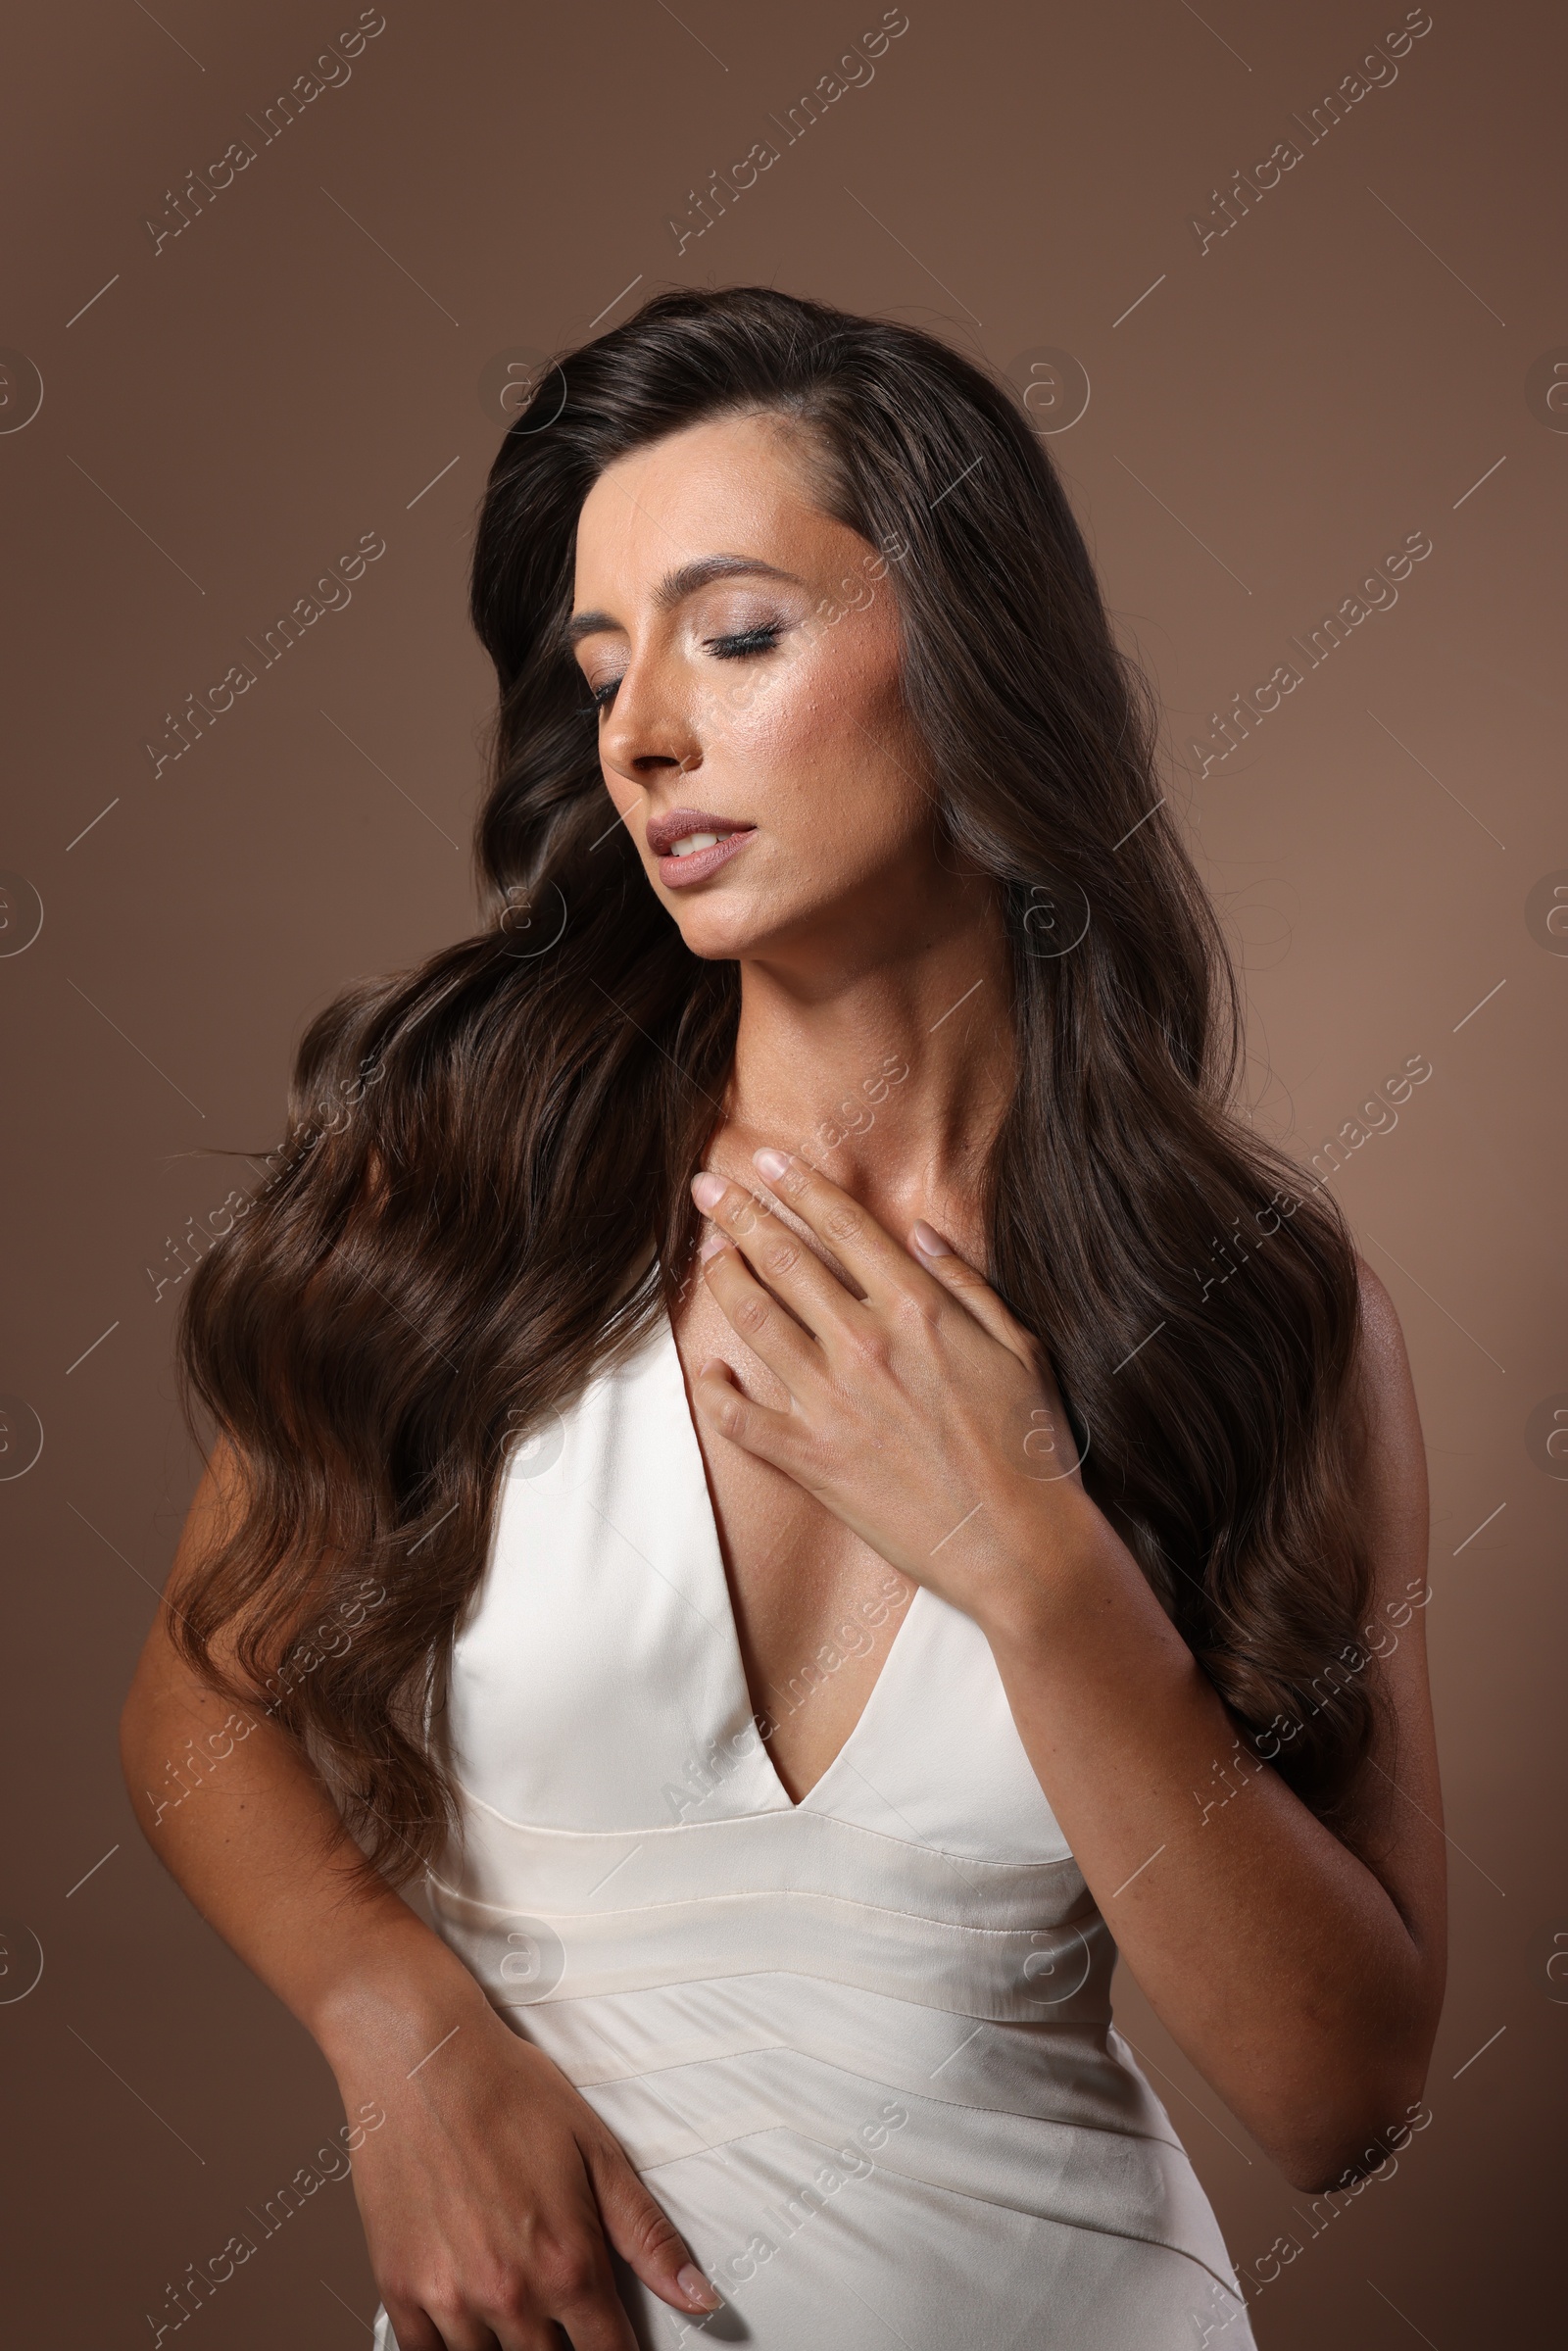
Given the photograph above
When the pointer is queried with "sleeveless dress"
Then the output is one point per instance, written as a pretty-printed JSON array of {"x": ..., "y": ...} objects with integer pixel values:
[{"x": 860, "y": 2048}]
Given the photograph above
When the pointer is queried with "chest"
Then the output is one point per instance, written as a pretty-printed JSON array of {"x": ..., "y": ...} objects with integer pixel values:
[
  {"x": 815, "y": 1609},
  {"x": 595, "y": 1686}
]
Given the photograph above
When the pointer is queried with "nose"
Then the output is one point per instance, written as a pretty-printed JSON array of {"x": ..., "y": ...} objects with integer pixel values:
[{"x": 651, "y": 730}]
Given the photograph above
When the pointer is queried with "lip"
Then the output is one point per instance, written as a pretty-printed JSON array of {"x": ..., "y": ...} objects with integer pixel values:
[{"x": 663, "y": 832}]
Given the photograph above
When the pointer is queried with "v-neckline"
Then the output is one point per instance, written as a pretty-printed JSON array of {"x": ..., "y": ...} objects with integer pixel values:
[{"x": 730, "y": 1623}]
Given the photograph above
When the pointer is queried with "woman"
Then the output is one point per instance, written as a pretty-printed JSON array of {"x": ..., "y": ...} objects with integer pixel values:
[{"x": 786, "y": 1466}]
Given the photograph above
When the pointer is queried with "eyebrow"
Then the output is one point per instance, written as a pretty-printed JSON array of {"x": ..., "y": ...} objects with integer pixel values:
[{"x": 680, "y": 583}]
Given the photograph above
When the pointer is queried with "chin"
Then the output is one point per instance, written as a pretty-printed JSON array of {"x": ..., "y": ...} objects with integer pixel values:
[
  {"x": 720, "y": 936},
  {"x": 728, "y": 926}
]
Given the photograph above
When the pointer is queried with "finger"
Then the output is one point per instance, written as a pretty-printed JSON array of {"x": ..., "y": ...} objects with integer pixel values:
[
  {"x": 412, "y": 2331},
  {"x": 570, "y": 2289},
  {"x": 646, "y": 2237},
  {"x": 769, "y": 1329},
  {"x": 797, "y": 1275},
  {"x": 756, "y": 1428},
  {"x": 1048, "y": 1420},
  {"x": 567, "y": 2283},
  {"x": 444, "y": 2326},
  {"x": 563, "y": 2278},
  {"x": 961, "y": 1280},
  {"x": 885, "y": 1271},
  {"x": 598, "y": 2322}
]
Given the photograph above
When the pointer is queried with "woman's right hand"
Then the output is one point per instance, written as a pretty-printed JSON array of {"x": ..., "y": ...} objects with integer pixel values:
[{"x": 491, "y": 2195}]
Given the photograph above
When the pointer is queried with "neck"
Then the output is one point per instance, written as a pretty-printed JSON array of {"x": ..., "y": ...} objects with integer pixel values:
[{"x": 889, "y": 1068}]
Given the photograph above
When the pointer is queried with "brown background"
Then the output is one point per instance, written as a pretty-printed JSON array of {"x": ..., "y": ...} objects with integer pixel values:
[{"x": 232, "y": 412}]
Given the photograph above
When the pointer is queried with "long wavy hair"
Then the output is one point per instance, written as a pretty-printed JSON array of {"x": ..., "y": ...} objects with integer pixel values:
[{"x": 482, "y": 1194}]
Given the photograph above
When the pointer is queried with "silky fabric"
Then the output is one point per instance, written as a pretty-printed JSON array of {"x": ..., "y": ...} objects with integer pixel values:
[{"x": 859, "y": 2048}]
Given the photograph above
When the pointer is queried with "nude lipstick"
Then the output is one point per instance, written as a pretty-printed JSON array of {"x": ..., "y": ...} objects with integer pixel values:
[{"x": 690, "y": 844}]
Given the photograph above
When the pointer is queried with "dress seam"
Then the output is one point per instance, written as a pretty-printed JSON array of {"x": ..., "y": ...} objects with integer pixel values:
[
  {"x": 801, "y": 1811},
  {"x": 760, "y": 1893},
  {"x": 1018, "y": 2114},
  {"x": 941, "y": 2188}
]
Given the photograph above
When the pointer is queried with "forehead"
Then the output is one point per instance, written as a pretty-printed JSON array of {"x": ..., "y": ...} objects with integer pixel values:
[{"x": 735, "y": 482}]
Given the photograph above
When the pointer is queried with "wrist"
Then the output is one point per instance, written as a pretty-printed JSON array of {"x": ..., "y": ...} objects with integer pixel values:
[
  {"x": 391, "y": 2006},
  {"x": 1053, "y": 1564}
]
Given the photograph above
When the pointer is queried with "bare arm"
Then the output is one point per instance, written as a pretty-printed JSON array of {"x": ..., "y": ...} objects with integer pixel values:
[
  {"x": 1305, "y": 1984},
  {"x": 1301, "y": 1980},
  {"x": 489, "y": 2194}
]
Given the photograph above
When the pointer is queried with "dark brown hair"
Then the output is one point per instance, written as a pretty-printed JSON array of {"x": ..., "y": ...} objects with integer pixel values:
[{"x": 498, "y": 1201}]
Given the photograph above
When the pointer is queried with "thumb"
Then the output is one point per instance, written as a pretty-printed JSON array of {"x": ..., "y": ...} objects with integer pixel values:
[{"x": 644, "y": 2236}]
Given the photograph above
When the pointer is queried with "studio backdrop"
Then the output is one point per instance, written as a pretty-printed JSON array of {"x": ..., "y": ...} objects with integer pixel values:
[{"x": 1284, "y": 290}]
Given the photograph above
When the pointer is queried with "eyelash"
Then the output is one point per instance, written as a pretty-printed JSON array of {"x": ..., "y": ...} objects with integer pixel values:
[
  {"x": 737, "y": 648},
  {"x": 761, "y": 639}
]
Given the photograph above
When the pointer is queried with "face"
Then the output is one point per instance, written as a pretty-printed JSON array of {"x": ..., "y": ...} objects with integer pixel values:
[{"x": 744, "y": 651}]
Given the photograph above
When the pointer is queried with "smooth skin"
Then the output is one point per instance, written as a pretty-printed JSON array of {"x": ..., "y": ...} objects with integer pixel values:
[{"x": 862, "y": 1401}]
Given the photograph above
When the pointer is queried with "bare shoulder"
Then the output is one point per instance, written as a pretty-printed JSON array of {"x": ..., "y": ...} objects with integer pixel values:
[
  {"x": 215, "y": 1508},
  {"x": 1392, "y": 1465},
  {"x": 1401, "y": 1792},
  {"x": 1381, "y": 1332},
  {"x": 1383, "y": 1346}
]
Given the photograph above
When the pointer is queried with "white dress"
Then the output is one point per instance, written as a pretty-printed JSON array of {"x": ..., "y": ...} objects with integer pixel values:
[{"x": 859, "y": 2048}]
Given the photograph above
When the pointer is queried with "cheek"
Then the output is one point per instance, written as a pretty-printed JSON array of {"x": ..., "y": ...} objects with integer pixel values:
[
  {"x": 826, "y": 756},
  {"x": 625, "y": 796}
]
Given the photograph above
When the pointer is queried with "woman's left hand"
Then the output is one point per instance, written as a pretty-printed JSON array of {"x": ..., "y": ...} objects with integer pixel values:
[{"x": 923, "y": 1414}]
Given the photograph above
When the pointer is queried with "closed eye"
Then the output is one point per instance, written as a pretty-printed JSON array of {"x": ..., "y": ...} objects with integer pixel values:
[
  {"x": 761, "y": 639},
  {"x": 738, "y": 647}
]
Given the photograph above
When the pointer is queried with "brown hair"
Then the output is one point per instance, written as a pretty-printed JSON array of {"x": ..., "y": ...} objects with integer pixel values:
[{"x": 499, "y": 1203}]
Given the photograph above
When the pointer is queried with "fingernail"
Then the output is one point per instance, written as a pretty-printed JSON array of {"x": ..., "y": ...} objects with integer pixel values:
[
  {"x": 713, "y": 1243},
  {"x": 708, "y": 1189},
  {"x": 926, "y": 1236},
  {"x": 696, "y": 2288},
  {"x": 770, "y": 1163}
]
